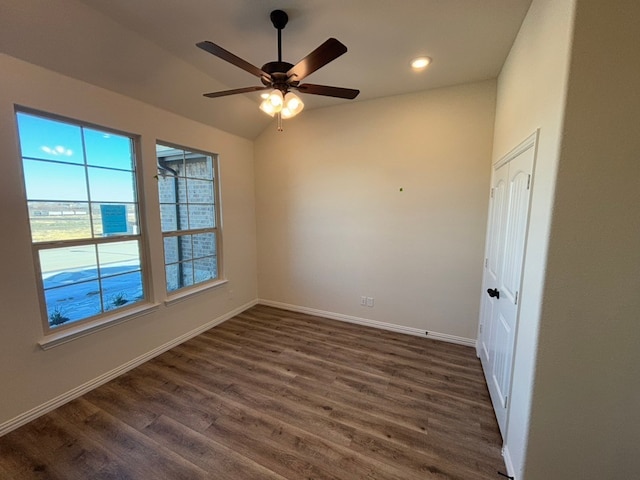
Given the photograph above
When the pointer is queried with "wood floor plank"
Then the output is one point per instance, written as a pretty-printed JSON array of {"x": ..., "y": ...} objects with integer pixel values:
[
  {"x": 145, "y": 457},
  {"x": 147, "y": 394},
  {"x": 275, "y": 395},
  {"x": 51, "y": 445},
  {"x": 219, "y": 461}
]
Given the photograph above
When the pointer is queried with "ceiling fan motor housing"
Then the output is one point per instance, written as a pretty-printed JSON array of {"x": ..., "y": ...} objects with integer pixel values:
[
  {"x": 278, "y": 72},
  {"x": 279, "y": 19}
]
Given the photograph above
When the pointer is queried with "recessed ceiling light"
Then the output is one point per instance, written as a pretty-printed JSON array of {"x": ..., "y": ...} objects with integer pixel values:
[{"x": 420, "y": 63}]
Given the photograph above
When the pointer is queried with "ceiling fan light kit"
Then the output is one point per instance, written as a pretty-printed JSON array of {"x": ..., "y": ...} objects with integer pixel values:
[
  {"x": 292, "y": 105},
  {"x": 272, "y": 104},
  {"x": 288, "y": 106},
  {"x": 282, "y": 77}
]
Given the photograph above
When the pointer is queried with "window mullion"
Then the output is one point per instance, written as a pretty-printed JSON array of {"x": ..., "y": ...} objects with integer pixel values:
[
  {"x": 86, "y": 175},
  {"x": 179, "y": 233},
  {"x": 102, "y": 309},
  {"x": 86, "y": 241}
]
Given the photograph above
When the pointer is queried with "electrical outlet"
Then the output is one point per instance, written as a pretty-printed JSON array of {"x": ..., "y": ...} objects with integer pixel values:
[
  {"x": 369, "y": 301},
  {"x": 363, "y": 301}
]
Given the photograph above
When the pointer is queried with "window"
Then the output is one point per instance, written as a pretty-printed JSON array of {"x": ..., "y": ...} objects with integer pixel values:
[
  {"x": 189, "y": 216},
  {"x": 80, "y": 184}
]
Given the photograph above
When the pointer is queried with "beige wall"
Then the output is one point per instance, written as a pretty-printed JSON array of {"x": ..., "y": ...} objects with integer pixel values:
[
  {"x": 573, "y": 72},
  {"x": 333, "y": 224},
  {"x": 587, "y": 384},
  {"x": 30, "y": 376},
  {"x": 531, "y": 95}
]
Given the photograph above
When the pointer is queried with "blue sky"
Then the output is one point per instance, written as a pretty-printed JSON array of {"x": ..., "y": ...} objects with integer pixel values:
[{"x": 62, "y": 177}]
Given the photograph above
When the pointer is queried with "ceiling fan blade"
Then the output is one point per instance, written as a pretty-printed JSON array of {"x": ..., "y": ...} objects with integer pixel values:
[
  {"x": 224, "y": 93},
  {"x": 220, "y": 52},
  {"x": 325, "y": 53},
  {"x": 328, "y": 91}
]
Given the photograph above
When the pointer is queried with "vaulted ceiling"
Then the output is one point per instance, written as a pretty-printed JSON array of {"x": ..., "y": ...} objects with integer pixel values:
[{"x": 146, "y": 48}]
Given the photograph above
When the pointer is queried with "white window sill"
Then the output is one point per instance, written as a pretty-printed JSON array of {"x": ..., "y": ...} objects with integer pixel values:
[
  {"x": 69, "y": 334},
  {"x": 189, "y": 292}
]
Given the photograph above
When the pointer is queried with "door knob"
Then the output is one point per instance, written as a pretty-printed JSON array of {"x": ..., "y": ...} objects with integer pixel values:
[{"x": 493, "y": 292}]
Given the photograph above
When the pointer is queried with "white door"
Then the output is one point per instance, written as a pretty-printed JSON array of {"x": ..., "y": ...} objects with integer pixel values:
[
  {"x": 493, "y": 258},
  {"x": 506, "y": 236}
]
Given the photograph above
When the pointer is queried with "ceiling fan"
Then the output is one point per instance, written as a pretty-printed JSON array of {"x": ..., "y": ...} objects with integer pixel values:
[{"x": 282, "y": 77}]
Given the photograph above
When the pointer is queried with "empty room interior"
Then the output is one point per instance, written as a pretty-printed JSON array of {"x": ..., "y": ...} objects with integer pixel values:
[{"x": 378, "y": 271}]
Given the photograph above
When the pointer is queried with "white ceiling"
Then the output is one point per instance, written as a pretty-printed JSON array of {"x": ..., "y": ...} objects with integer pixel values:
[{"x": 146, "y": 48}]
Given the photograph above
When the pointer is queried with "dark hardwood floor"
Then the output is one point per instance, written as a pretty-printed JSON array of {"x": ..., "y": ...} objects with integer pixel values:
[{"x": 272, "y": 394}]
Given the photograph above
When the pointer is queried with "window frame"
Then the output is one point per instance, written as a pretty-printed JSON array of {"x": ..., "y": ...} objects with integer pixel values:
[
  {"x": 57, "y": 334},
  {"x": 217, "y": 229}
]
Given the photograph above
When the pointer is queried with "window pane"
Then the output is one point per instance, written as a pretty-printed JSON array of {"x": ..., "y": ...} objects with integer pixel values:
[
  {"x": 170, "y": 250},
  {"x": 204, "y": 269},
  {"x": 170, "y": 159},
  {"x": 167, "y": 189},
  {"x": 172, "y": 215},
  {"x": 177, "y": 165},
  {"x": 53, "y": 221},
  {"x": 73, "y": 302},
  {"x": 204, "y": 245},
  {"x": 114, "y": 219},
  {"x": 182, "y": 190},
  {"x": 108, "y": 150},
  {"x": 171, "y": 167},
  {"x": 49, "y": 139},
  {"x": 201, "y": 216},
  {"x": 179, "y": 275},
  {"x": 122, "y": 290},
  {"x": 200, "y": 191},
  {"x": 185, "y": 249},
  {"x": 117, "y": 258},
  {"x": 54, "y": 181},
  {"x": 173, "y": 282},
  {"x": 111, "y": 185},
  {"x": 177, "y": 249},
  {"x": 68, "y": 265},
  {"x": 168, "y": 217},
  {"x": 187, "y": 273},
  {"x": 183, "y": 217},
  {"x": 171, "y": 188},
  {"x": 198, "y": 165}
]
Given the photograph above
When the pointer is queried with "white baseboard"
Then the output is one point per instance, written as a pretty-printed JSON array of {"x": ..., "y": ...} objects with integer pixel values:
[
  {"x": 508, "y": 462},
  {"x": 444, "y": 337},
  {"x": 60, "y": 400}
]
